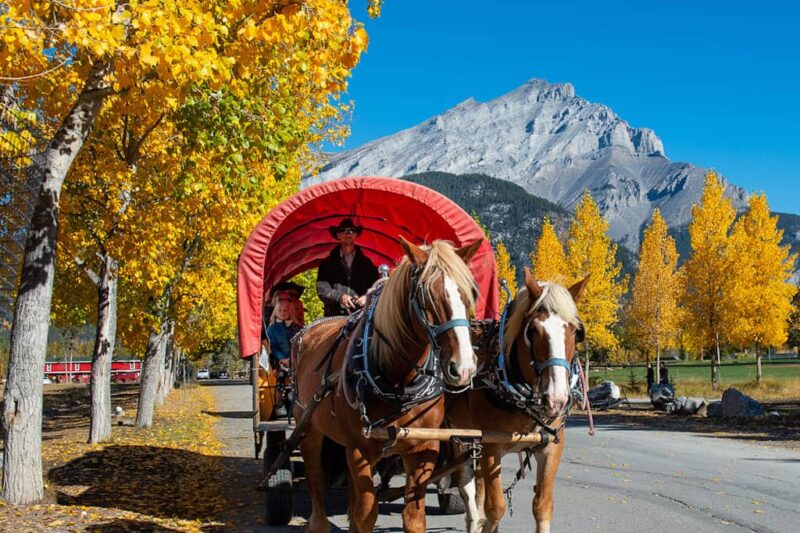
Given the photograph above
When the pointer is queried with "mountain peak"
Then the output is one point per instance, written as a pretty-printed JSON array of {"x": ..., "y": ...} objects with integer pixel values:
[{"x": 551, "y": 142}]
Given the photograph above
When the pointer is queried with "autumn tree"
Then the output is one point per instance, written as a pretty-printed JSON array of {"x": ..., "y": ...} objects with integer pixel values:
[
  {"x": 548, "y": 260},
  {"x": 759, "y": 281},
  {"x": 505, "y": 271},
  {"x": 794, "y": 321},
  {"x": 590, "y": 252},
  {"x": 68, "y": 59},
  {"x": 653, "y": 314},
  {"x": 707, "y": 269}
]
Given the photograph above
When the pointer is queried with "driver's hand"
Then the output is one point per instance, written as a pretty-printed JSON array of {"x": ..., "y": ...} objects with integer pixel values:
[
  {"x": 346, "y": 300},
  {"x": 361, "y": 301}
]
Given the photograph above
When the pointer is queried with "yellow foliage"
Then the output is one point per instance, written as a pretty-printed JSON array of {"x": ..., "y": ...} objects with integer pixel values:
[
  {"x": 213, "y": 110},
  {"x": 590, "y": 252},
  {"x": 549, "y": 262},
  {"x": 505, "y": 271},
  {"x": 707, "y": 270},
  {"x": 758, "y": 293},
  {"x": 653, "y": 315}
]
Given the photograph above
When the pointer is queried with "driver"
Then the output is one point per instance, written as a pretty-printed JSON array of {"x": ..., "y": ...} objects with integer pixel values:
[{"x": 346, "y": 274}]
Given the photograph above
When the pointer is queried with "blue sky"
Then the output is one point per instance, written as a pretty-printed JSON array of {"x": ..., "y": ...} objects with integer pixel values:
[{"x": 718, "y": 81}]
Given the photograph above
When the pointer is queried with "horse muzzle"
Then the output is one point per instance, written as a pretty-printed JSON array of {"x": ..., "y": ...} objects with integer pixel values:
[{"x": 458, "y": 375}]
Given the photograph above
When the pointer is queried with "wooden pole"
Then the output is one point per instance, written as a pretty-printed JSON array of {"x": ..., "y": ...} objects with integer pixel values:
[{"x": 443, "y": 434}]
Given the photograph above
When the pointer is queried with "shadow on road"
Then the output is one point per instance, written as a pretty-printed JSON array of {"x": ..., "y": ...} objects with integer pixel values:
[
  {"x": 765, "y": 429},
  {"x": 230, "y": 414}
]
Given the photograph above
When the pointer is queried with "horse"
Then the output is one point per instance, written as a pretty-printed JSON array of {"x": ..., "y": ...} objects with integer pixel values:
[
  {"x": 523, "y": 388},
  {"x": 394, "y": 360}
]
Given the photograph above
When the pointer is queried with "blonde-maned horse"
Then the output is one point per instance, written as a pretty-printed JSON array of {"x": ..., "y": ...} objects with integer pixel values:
[
  {"x": 539, "y": 344},
  {"x": 421, "y": 312}
]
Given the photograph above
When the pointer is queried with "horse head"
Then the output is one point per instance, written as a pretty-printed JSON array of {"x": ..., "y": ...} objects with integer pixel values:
[
  {"x": 544, "y": 329},
  {"x": 440, "y": 293}
]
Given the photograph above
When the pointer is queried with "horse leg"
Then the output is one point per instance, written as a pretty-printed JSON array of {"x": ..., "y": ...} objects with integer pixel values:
[
  {"x": 363, "y": 505},
  {"x": 480, "y": 495},
  {"x": 465, "y": 478},
  {"x": 495, "y": 501},
  {"x": 547, "y": 462},
  {"x": 419, "y": 467},
  {"x": 311, "y": 448}
]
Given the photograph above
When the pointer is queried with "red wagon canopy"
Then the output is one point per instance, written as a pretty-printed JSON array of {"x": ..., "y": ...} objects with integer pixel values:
[{"x": 294, "y": 237}]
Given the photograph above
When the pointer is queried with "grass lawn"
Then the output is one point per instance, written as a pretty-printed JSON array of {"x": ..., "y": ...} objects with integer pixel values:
[{"x": 781, "y": 381}]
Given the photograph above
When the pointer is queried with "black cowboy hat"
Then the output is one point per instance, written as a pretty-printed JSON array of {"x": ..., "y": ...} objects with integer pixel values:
[{"x": 346, "y": 223}]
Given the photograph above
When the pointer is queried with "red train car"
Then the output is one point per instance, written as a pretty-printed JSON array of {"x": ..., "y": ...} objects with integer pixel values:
[{"x": 80, "y": 371}]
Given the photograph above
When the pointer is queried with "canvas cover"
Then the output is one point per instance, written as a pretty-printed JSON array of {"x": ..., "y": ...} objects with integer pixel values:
[{"x": 294, "y": 237}]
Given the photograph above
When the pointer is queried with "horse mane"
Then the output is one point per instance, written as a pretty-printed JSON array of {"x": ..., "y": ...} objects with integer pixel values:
[
  {"x": 392, "y": 314},
  {"x": 555, "y": 300}
]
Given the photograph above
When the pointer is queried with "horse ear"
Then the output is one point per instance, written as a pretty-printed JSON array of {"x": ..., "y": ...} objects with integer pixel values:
[
  {"x": 534, "y": 289},
  {"x": 577, "y": 289},
  {"x": 415, "y": 254},
  {"x": 468, "y": 252}
]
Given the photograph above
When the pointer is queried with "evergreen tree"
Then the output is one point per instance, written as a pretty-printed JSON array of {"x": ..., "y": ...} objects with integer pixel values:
[{"x": 590, "y": 252}]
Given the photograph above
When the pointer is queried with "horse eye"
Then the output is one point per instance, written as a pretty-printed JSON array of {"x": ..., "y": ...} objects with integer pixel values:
[{"x": 580, "y": 334}]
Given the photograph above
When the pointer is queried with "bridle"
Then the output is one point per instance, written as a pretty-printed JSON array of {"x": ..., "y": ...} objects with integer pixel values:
[
  {"x": 520, "y": 394},
  {"x": 417, "y": 305},
  {"x": 427, "y": 385}
]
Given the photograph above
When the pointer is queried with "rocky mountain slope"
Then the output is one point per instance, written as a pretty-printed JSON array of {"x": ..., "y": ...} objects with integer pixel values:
[{"x": 550, "y": 142}]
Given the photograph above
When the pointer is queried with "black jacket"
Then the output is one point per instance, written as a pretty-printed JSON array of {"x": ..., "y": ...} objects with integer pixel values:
[{"x": 334, "y": 279}]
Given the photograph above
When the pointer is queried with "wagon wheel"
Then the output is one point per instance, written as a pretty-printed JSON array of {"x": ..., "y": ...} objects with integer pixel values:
[
  {"x": 279, "y": 504},
  {"x": 451, "y": 503}
]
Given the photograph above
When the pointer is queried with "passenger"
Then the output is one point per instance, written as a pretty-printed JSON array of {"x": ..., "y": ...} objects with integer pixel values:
[
  {"x": 284, "y": 324},
  {"x": 346, "y": 274}
]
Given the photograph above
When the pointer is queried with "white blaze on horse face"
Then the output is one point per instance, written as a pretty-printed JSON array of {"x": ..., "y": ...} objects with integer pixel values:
[
  {"x": 557, "y": 387},
  {"x": 467, "y": 362}
]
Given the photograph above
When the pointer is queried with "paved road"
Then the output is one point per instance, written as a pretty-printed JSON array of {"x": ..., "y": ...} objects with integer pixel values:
[{"x": 622, "y": 480}]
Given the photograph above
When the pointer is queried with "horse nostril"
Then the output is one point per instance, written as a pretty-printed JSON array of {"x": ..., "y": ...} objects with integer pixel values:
[{"x": 452, "y": 371}]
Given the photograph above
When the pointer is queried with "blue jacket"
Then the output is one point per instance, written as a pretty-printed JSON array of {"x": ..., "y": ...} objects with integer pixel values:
[{"x": 279, "y": 335}]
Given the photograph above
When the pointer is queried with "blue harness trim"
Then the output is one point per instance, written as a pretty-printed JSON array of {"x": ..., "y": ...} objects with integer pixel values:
[
  {"x": 428, "y": 383},
  {"x": 450, "y": 324},
  {"x": 552, "y": 362}
]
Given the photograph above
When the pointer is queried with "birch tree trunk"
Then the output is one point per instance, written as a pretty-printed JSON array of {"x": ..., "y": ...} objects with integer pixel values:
[
  {"x": 22, "y": 411},
  {"x": 164, "y": 376},
  {"x": 151, "y": 371},
  {"x": 100, "y": 414},
  {"x": 758, "y": 365}
]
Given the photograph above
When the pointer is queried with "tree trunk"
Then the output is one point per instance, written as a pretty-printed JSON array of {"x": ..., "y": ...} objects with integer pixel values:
[
  {"x": 758, "y": 365},
  {"x": 22, "y": 411},
  {"x": 658, "y": 362},
  {"x": 166, "y": 367},
  {"x": 715, "y": 366},
  {"x": 151, "y": 371},
  {"x": 100, "y": 415}
]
